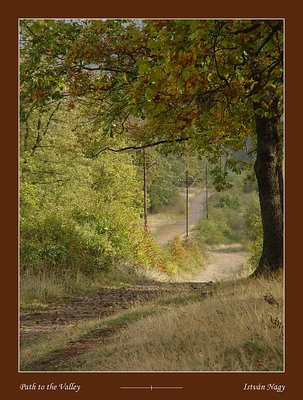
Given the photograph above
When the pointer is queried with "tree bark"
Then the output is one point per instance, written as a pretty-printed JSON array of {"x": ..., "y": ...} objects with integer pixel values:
[{"x": 269, "y": 175}]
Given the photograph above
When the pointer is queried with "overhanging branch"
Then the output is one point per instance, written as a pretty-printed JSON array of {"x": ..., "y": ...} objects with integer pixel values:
[
  {"x": 144, "y": 146},
  {"x": 268, "y": 38}
]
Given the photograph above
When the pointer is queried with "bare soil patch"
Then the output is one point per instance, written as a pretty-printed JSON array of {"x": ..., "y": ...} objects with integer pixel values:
[
  {"x": 223, "y": 265},
  {"x": 165, "y": 227},
  {"x": 61, "y": 358}
]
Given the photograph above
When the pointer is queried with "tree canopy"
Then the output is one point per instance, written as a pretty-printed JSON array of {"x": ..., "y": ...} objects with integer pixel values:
[{"x": 217, "y": 84}]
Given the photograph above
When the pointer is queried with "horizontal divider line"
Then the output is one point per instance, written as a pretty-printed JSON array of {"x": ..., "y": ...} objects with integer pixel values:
[{"x": 151, "y": 387}]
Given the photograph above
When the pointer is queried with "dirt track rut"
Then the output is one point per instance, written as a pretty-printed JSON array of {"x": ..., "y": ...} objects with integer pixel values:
[{"x": 33, "y": 324}]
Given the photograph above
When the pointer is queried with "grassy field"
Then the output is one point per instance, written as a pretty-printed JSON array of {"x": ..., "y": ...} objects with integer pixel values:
[
  {"x": 37, "y": 289},
  {"x": 238, "y": 328},
  {"x": 234, "y": 330}
]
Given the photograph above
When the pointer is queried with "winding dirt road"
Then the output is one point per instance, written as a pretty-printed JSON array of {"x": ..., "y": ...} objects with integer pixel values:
[
  {"x": 165, "y": 228},
  {"x": 222, "y": 266},
  {"x": 223, "y": 262}
]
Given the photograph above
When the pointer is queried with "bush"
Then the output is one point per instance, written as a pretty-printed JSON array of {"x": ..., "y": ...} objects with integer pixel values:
[
  {"x": 57, "y": 244},
  {"x": 213, "y": 232},
  {"x": 227, "y": 201},
  {"x": 86, "y": 222},
  {"x": 183, "y": 256},
  {"x": 234, "y": 216}
]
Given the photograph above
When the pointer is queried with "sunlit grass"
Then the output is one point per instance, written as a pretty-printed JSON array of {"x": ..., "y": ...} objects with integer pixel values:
[
  {"x": 37, "y": 289},
  {"x": 45, "y": 344},
  {"x": 234, "y": 330}
]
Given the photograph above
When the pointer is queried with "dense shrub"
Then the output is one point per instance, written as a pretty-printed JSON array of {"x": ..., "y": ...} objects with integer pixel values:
[
  {"x": 78, "y": 213},
  {"x": 234, "y": 216}
]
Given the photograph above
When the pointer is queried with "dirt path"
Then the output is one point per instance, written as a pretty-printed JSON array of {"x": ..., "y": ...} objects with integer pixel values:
[
  {"x": 110, "y": 301},
  {"x": 164, "y": 228},
  {"x": 223, "y": 265},
  {"x": 107, "y": 302}
]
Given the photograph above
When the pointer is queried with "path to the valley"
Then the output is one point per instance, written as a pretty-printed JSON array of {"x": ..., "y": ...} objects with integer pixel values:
[
  {"x": 223, "y": 263},
  {"x": 165, "y": 226}
]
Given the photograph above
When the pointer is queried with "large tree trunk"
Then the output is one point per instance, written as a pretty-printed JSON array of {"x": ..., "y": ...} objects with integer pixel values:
[{"x": 269, "y": 175}]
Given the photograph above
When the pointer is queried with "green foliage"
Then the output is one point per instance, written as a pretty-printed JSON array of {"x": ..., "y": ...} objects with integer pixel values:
[
  {"x": 87, "y": 241},
  {"x": 182, "y": 77},
  {"x": 254, "y": 230},
  {"x": 76, "y": 213},
  {"x": 227, "y": 201},
  {"x": 214, "y": 232},
  {"x": 228, "y": 215},
  {"x": 137, "y": 83},
  {"x": 165, "y": 180},
  {"x": 81, "y": 214}
]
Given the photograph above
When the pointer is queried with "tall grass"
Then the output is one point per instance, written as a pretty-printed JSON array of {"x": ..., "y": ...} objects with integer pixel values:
[
  {"x": 234, "y": 330},
  {"x": 37, "y": 288},
  {"x": 177, "y": 260}
]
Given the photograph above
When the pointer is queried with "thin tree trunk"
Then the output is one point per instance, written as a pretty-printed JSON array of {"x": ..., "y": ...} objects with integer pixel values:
[
  {"x": 187, "y": 207},
  {"x": 269, "y": 175},
  {"x": 206, "y": 189},
  {"x": 145, "y": 188}
]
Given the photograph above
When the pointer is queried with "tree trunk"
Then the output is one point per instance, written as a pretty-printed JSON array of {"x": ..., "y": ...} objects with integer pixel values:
[{"x": 269, "y": 175}]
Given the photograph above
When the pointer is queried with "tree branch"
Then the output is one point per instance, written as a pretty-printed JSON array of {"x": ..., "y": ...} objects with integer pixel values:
[
  {"x": 51, "y": 117},
  {"x": 30, "y": 31},
  {"x": 269, "y": 37},
  {"x": 62, "y": 181},
  {"x": 247, "y": 30},
  {"x": 144, "y": 146},
  {"x": 40, "y": 135}
]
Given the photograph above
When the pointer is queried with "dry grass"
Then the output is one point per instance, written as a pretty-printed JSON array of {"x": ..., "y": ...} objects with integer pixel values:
[
  {"x": 234, "y": 330},
  {"x": 55, "y": 339},
  {"x": 46, "y": 344},
  {"x": 37, "y": 289}
]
